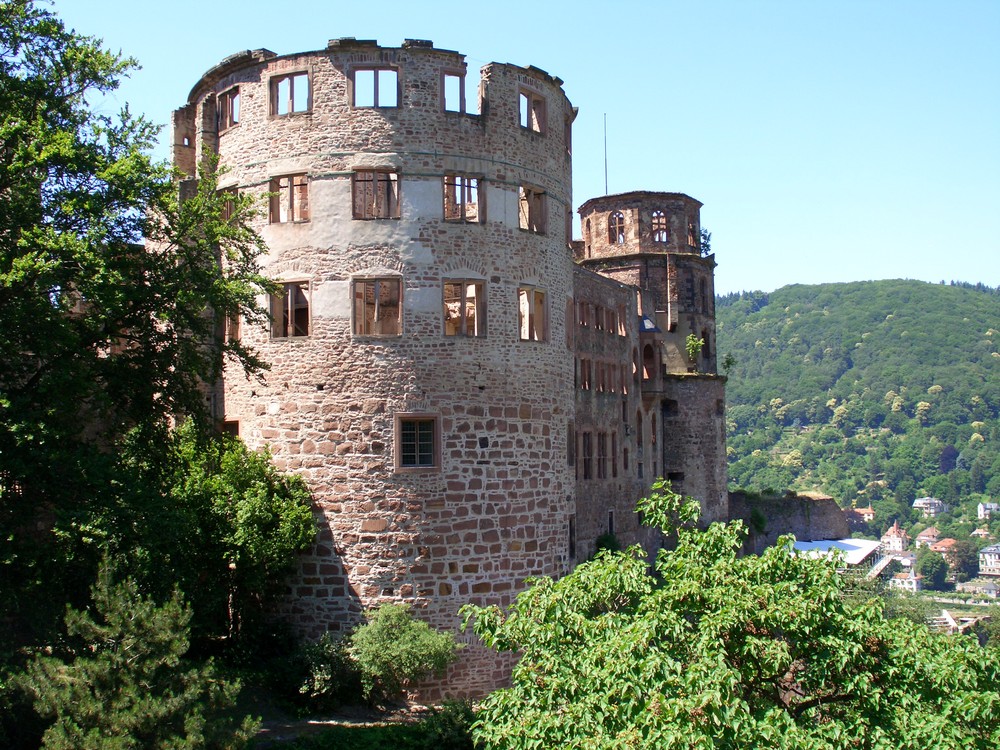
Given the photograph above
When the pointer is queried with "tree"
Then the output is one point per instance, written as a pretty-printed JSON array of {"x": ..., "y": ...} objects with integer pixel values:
[
  {"x": 124, "y": 683},
  {"x": 965, "y": 560},
  {"x": 711, "y": 649},
  {"x": 933, "y": 567},
  {"x": 101, "y": 335}
]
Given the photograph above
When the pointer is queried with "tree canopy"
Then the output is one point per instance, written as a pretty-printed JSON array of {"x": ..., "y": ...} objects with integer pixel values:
[{"x": 711, "y": 649}]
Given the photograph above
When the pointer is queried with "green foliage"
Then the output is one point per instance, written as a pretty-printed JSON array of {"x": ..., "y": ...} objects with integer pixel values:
[
  {"x": 125, "y": 684},
  {"x": 394, "y": 649},
  {"x": 693, "y": 346},
  {"x": 887, "y": 391},
  {"x": 714, "y": 649},
  {"x": 331, "y": 678},
  {"x": 934, "y": 569},
  {"x": 607, "y": 541},
  {"x": 101, "y": 336}
]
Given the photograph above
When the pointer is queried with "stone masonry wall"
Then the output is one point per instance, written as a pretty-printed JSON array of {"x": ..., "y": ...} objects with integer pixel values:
[{"x": 495, "y": 508}]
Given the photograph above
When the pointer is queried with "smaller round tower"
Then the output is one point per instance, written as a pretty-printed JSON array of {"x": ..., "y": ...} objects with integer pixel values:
[{"x": 652, "y": 241}]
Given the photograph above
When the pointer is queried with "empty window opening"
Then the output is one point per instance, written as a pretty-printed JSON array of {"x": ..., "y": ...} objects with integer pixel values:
[
  {"x": 376, "y": 87},
  {"x": 660, "y": 233},
  {"x": 614, "y": 454},
  {"x": 568, "y": 135},
  {"x": 228, "y": 207},
  {"x": 289, "y": 94},
  {"x": 588, "y": 455},
  {"x": 461, "y": 199},
  {"x": 572, "y": 538},
  {"x": 231, "y": 427},
  {"x": 229, "y": 108},
  {"x": 232, "y": 327},
  {"x": 377, "y": 308},
  {"x": 621, "y": 320},
  {"x": 616, "y": 228},
  {"x": 532, "y": 322},
  {"x": 570, "y": 444},
  {"x": 290, "y": 310},
  {"x": 531, "y": 111},
  {"x": 625, "y": 459},
  {"x": 652, "y": 429},
  {"x": 675, "y": 477},
  {"x": 531, "y": 210},
  {"x": 453, "y": 89},
  {"x": 289, "y": 199},
  {"x": 706, "y": 348},
  {"x": 648, "y": 362},
  {"x": 670, "y": 407},
  {"x": 464, "y": 308},
  {"x": 611, "y": 522},
  {"x": 375, "y": 194},
  {"x": 417, "y": 442},
  {"x": 585, "y": 374},
  {"x": 602, "y": 455}
]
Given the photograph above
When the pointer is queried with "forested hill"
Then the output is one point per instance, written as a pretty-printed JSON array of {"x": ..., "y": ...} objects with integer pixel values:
[{"x": 878, "y": 391}]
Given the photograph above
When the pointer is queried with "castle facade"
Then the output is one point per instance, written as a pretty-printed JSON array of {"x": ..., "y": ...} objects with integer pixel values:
[{"x": 473, "y": 397}]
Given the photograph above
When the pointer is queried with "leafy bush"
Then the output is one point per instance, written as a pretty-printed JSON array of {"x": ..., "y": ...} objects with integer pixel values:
[
  {"x": 394, "y": 649},
  {"x": 331, "y": 678},
  {"x": 449, "y": 727},
  {"x": 125, "y": 685}
]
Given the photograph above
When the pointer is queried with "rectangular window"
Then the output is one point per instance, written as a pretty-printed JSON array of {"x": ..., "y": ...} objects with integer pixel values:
[
  {"x": 532, "y": 321},
  {"x": 531, "y": 209},
  {"x": 453, "y": 92},
  {"x": 289, "y": 94},
  {"x": 532, "y": 111},
  {"x": 570, "y": 444},
  {"x": 377, "y": 308},
  {"x": 461, "y": 199},
  {"x": 614, "y": 454},
  {"x": 585, "y": 374},
  {"x": 376, "y": 87},
  {"x": 588, "y": 455},
  {"x": 229, "y": 108},
  {"x": 375, "y": 194},
  {"x": 290, "y": 310},
  {"x": 464, "y": 308},
  {"x": 228, "y": 208},
  {"x": 416, "y": 441},
  {"x": 232, "y": 332},
  {"x": 602, "y": 455},
  {"x": 289, "y": 199}
]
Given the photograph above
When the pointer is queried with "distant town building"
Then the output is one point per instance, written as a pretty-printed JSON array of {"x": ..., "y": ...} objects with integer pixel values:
[
  {"x": 895, "y": 539},
  {"x": 982, "y": 533},
  {"x": 985, "y": 510},
  {"x": 946, "y": 548},
  {"x": 989, "y": 560},
  {"x": 930, "y": 506},
  {"x": 907, "y": 581},
  {"x": 927, "y": 537}
]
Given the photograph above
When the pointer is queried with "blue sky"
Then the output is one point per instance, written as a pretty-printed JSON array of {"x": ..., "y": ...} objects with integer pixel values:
[{"x": 830, "y": 140}]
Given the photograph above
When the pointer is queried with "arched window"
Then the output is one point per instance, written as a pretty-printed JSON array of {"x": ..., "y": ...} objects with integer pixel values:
[
  {"x": 616, "y": 228},
  {"x": 660, "y": 233},
  {"x": 648, "y": 362}
]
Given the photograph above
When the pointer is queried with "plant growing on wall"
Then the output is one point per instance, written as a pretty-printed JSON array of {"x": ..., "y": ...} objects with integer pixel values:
[{"x": 693, "y": 344}]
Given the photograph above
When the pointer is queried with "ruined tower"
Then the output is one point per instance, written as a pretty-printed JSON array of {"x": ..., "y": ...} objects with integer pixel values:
[
  {"x": 652, "y": 242},
  {"x": 421, "y": 377}
]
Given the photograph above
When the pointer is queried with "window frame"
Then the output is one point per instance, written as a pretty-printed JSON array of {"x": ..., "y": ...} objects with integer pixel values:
[
  {"x": 616, "y": 228},
  {"x": 660, "y": 229},
  {"x": 418, "y": 420},
  {"x": 529, "y": 328},
  {"x": 375, "y": 89},
  {"x": 531, "y": 209},
  {"x": 286, "y": 326},
  {"x": 376, "y": 192},
  {"x": 455, "y": 183},
  {"x": 365, "y": 330},
  {"x": 296, "y": 200},
  {"x": 479, "y": 301},
  {"x": 228, "y": 109},
  {"x": 460, "y": 76},
  {"x": 277, "y": 102},
  {"x": 531, "y": 110}
]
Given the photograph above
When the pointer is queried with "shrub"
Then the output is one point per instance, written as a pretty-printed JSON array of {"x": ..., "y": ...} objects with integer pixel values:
[
  {"x": 331, "y": 678},
  {"x": 394, "y": 649}
]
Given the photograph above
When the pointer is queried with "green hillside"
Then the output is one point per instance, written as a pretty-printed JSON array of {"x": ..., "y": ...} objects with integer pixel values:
[{"x": 878, "y": 391}]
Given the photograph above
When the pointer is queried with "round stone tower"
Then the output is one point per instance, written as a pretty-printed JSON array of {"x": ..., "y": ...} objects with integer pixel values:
[
  {"x": 421, "y": 377},
  {"x": 652, "y": 241}
]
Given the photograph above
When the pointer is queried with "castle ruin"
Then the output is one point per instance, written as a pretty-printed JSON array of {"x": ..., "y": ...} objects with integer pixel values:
[{"x": 472, "y": 396}]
